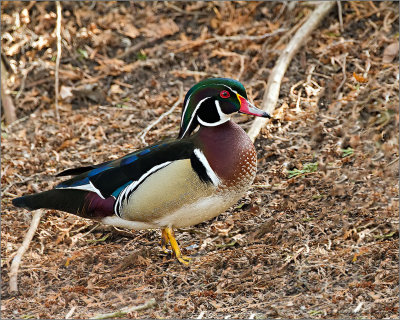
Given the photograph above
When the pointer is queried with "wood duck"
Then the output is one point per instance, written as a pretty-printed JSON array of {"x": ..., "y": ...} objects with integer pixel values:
[{"x": 171, "y": 184}]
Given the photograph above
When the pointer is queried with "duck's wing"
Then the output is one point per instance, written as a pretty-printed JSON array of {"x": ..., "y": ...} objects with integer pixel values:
[
  {"x": 110, "y": 178},
  {"x": 94, "y": 192}
]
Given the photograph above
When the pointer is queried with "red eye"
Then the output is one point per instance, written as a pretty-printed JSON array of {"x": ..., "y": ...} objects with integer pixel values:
[{"x": 224, "y": 94}]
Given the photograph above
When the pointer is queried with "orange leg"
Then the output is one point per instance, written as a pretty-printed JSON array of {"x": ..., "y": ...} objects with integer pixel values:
[{"x": 168, "y": 237}]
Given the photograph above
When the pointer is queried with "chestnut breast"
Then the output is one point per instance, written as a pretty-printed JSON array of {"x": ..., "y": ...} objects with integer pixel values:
[{"x": 230, "y": 153}]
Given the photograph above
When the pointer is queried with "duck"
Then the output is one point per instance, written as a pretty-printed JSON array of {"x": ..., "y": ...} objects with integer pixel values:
[{"x": 171, "y": 184}]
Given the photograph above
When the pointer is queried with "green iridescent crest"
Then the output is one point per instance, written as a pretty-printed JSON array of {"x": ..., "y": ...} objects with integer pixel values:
[{"x": 210, "y": 102}]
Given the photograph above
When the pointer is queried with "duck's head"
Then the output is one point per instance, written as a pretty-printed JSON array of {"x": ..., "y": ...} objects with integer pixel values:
[{"x": 211, "y": 102}]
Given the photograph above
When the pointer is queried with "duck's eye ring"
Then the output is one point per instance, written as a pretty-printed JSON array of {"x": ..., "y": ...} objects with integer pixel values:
[{"x": 224, "y": 94}]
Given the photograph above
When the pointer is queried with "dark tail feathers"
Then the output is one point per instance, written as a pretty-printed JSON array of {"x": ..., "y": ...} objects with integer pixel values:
[{"x": 59, "y": 199}]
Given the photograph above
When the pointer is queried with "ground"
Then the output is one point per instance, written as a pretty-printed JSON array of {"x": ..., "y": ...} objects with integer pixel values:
[{"x": 317, "y": 234}]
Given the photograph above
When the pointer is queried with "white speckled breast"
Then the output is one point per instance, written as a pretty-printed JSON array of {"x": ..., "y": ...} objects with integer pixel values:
[{"x": 241, "y": 181}]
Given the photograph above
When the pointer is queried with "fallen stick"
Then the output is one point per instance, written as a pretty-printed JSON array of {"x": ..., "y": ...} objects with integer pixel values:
[
  {"x": 70, "y": 313},
  {"x": 274, "y": 81},
  {"x": 136, "y": 48},
  {"x": 25, "y": 245},
  {"x": 58, "y": 33},
  {"x": 124, "y": 311},
  {"x": 7, "y": 102},
  {"x": 245, "y": 37},
  {"x": 199, "y": 42}
]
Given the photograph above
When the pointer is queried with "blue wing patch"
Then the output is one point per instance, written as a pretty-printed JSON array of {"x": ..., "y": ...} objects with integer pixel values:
[
  {"x": 128, "y": 160},
  {"x": 75, "y": 184},
  {"x": 83, "y": 181},
  {"x": 145, "y": 151},
  {"x": 93, "y": 172}
]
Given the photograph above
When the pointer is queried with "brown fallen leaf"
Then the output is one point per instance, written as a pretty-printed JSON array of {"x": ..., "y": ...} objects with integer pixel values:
[
  {"x": 71, "y": 74},
  {"x": 67, "y": 143},
  {"x": 24, "y": 16},
  {"x": 390, "y": 52},
  {"x": 130, "y": 31},
  {"x": 359, "y": 78},
  {"x": 42, "y": 42},
  {"x": 93, "y": 28},
  {"x": 164, "y": 28},
  {"x": 66, "y": 92},
  {"x": 116, "y": 89}
]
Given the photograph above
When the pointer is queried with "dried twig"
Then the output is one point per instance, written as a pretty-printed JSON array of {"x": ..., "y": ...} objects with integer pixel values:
[
  {"x": 184, "y": 73},
  {"x": 245, "y": 36},
  {"x": 8, "y": 128},
  {"x": 25, "y": 245},
  {"x": 241, "y": 57},
  {"x": 7, "y": 103},
  {"x": 143, "y": 133},
  {"x": 25, "y": 75},
  {"x": 343, "y": 66},
  {"x": 339, "y": 4},
  {"x": 287, "y": 35},
  {"x": 393, "y": 161},
  {"x": 58, "y": 33},
  {"x": 292, "y": 258},
  {"x": 70, "y": 313},
  {"x": 215, "y": 38},
  {"x": 274, "y": 81},
  {"x": 124, "y": 311},
  {"x": 136, "y": 48}
]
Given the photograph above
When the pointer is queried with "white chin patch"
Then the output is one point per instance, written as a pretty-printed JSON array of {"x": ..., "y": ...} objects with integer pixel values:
[
  {"x": 212, "y": 124},
  {"x": 222, "y": 117}
]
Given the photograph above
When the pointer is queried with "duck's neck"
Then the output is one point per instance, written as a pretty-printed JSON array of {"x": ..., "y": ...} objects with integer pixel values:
[{"x": 225, "y": 146}]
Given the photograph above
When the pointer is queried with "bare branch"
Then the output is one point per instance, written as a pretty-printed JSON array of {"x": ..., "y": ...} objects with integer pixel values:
[
  {"x": 343, "y": 66},
  {"x": 147, "y": 305},
  {"x": 21, "y": 251},
  {"x": 58, "y": 33},
  {"x": 274, "y": 81},
  {"x": 245, "y": 36},
  {"x": 339, "y": 4},
  {"x": 7, "y": 102}
]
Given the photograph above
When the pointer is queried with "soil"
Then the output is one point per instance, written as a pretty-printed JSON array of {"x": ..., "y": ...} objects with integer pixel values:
[{"x": 317, "y": 234}]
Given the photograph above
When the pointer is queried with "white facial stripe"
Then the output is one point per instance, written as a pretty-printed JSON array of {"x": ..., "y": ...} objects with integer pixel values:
[
  {"x": 123, "y": 197},
  {"x": 87, "y": 187},
  {"x": 188, "y": 100},
  {"x": 211, "y": 174},
  {"x": 221, "y": 114},
  {"x": 211, "y": 124},
  {"x": 228, "y": 87},
  {"x": 222, "y": 117},
  {"x": 194, "y": 113},
  {"x": 197, "y": 107},
  {"x": 185, "y": 108}
]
